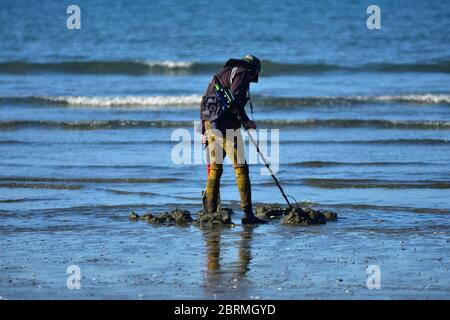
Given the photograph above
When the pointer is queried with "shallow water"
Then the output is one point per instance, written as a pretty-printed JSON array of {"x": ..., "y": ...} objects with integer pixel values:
[{"x": 86, "y": 119}]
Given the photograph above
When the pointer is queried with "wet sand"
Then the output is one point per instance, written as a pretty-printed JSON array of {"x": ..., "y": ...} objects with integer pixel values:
[
  {"x": 122, "y": 259},
  {"x": 90, "y": 118}
]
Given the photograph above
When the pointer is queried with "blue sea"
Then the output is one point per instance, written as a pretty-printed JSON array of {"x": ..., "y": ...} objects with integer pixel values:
[{"x": 87, "y": 117}]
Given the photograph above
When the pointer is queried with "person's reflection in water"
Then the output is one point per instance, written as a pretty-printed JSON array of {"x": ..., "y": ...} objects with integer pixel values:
[
  {"x": 212, "y": 240},
  {"x": 222, "y": 278},
  {"x": 245, "y": 255}
]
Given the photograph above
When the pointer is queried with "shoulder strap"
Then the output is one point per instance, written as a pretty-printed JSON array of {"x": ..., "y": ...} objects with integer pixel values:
[{"x": 233, "y": 73}]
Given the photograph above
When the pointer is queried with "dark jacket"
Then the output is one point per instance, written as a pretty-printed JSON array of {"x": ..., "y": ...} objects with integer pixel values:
[{"x": 237, "y": 80}]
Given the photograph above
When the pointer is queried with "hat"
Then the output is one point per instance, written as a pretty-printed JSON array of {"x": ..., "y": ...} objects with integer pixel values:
[{"x": 248, "y": 61}]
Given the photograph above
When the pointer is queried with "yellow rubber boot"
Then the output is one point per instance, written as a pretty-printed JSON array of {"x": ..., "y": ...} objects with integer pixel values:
[
  {"x": 245, "y": 191},
  {"x": 244, "y": 187},
  {"x": 212, "y": 187}
]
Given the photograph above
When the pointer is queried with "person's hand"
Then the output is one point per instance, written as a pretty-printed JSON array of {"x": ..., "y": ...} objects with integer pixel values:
[
  {"x": 204, "y": 139},
  {"x": 250, "y": 124}
]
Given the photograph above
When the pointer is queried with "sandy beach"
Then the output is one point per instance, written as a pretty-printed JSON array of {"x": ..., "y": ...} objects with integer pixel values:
[{"x": 144, "y": 261}]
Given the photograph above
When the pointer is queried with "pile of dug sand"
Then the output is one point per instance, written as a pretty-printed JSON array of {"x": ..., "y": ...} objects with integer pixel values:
[
  {"x": 270, "y": 211},
  {"x": 176, "y": 216},
  {"x": 296, "y": 216},
  {"x": 182, "y": 217},
  {"x": 217, "y": 218}
]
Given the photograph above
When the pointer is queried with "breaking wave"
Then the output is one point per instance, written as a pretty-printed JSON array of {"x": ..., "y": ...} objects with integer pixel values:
[
  {"x": 194, "y": 100},
  {"x": 169, "y": 67},
  {"x": 102, "y": 101},
  {"x": 127, "y": 67},
  {"x": 355, "y": 100},
  {"x": 131, "y": 124},
  {"x": 354, "y": 123}
]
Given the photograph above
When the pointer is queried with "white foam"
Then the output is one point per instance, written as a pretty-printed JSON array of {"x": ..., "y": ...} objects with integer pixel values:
[
  {"x": 416, "y": 98},
  {"x": 169, "y": 64},
  {"x": 194, "y": 100},
  {"x": 143, "y": 101}
]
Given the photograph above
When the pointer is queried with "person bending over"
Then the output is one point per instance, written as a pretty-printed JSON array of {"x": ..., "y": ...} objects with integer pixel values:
[{"x": 221, "y": 126}]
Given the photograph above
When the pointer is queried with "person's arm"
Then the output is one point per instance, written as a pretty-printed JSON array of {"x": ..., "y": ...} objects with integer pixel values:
[
  {"x": 239, "y": 87},
  {"x": 239, "y": 84},
  {"x": 242, "y": 115}
]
